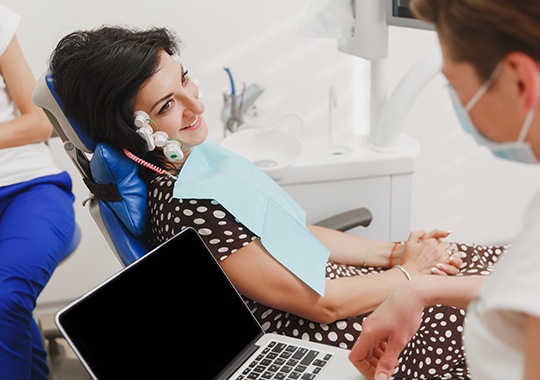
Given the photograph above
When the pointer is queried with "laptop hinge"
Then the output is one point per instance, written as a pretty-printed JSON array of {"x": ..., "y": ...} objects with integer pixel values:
[{"x": 240, "y": 359}]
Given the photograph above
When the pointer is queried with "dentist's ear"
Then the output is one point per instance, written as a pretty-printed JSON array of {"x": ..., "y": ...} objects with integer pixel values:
[{"x": 527, "y": 75}]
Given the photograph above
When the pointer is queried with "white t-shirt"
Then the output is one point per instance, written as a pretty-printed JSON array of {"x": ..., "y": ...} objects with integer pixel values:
[
  {"x": 494, "y": 329},
  {"x": 23, "y": 163}
]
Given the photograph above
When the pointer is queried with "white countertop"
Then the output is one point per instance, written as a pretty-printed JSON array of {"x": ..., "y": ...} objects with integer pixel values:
[{"x": 348, "y": 157}]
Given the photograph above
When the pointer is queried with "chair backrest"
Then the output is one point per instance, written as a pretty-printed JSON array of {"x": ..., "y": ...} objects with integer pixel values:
[{"x": 118, "y": 199}]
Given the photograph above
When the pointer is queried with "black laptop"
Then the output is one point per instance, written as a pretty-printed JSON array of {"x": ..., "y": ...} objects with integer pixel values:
[{"x": 174, "y": 314}]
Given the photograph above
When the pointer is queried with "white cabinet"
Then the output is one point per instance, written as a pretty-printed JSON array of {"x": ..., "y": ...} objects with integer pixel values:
[{"x": 325, "y": 183}]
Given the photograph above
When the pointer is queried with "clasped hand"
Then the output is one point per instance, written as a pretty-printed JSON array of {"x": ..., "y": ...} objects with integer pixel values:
[{"x": 427, "y": 253}]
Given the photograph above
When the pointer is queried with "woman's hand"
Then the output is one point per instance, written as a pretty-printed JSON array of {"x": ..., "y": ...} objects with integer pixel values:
[
  {"x": 450, "y": 268},
  {"x": 455, "y": 259},
  {"x": 425, "y": 253}
]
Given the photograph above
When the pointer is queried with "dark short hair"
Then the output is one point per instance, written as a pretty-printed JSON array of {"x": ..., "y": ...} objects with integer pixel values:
[
  {"x": 98, "y": 74},
  {"x": 483, "y": 32}
]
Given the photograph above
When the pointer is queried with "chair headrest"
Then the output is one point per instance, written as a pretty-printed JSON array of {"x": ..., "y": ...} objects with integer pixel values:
[{"x": 45, "y": 96}]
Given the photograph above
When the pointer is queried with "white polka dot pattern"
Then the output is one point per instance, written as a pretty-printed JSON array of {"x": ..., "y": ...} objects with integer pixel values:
[
  {"x": 435, "y": 352},
  {"x": 221, "y": 232}
]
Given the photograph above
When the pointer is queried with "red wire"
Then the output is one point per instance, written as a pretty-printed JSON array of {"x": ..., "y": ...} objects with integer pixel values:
[{"x": 146, "y": 164}]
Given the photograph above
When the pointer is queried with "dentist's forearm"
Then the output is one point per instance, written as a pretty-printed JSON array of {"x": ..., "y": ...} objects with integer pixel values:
[{"x": 450, "y": 291}]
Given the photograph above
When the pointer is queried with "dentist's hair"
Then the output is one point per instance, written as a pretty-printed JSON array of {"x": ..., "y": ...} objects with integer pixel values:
[
  {"x": 98, "y": 74},
  {"x": 483, "y": 32}
]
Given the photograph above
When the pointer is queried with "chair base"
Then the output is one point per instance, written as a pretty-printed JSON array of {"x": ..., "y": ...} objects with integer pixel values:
[{"x": 62, "y": 364}]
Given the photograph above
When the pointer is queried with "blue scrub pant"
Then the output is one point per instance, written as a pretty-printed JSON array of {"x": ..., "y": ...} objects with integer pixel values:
[{"x": 37, "y": 223}]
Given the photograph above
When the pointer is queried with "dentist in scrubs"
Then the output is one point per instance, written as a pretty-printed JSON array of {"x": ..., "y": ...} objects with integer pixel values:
[{"x": 491, "y": 58}]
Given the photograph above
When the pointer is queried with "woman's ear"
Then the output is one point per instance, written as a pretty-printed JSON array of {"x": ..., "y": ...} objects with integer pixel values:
[{"x": 524, "y": 72}]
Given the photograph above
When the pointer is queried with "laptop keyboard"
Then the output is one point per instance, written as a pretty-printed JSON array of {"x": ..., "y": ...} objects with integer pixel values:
[{"x": 285, "y": 362}]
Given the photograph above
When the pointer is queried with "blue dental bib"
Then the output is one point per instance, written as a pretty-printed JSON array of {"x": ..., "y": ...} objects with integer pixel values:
[{"x": 256, "y": 200}]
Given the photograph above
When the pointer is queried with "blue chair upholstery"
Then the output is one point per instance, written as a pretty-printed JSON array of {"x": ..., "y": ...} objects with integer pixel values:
[
  {"x": 118, "y": 203},
  {"x": 112, "y": 168},
  {"x": 125, "y": 216}
]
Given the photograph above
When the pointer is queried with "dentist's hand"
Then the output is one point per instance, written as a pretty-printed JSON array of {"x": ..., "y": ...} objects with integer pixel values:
[{"x": 375, "y": 354}]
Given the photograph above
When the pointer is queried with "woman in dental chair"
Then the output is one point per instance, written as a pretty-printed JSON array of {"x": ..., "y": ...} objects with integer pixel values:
[{"x": 127, "y": 88}]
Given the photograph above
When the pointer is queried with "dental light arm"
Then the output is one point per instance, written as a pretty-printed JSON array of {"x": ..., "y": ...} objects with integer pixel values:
[{"x": 394, "y": 111}]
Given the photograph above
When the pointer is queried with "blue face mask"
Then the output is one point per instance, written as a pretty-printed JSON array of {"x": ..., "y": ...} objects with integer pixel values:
[{"x": 519, "y": 150}]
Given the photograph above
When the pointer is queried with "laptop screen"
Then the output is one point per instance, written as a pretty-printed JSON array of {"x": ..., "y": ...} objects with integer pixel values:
[{"x": 170, "y": 309}]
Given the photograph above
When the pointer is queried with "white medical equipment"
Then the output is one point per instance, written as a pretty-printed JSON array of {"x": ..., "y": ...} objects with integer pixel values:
[{"x": 366, "y": 36}]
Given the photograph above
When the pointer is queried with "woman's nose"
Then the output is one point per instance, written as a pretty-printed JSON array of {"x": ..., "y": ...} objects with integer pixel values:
[{"x": 193, "y": 105}]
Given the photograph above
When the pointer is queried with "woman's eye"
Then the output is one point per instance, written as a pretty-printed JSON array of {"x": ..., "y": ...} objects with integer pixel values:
[{"x": 166, "y": 107}]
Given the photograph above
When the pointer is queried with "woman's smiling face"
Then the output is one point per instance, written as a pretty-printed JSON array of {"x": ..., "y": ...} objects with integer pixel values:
[{"x": 171, "y": 99}]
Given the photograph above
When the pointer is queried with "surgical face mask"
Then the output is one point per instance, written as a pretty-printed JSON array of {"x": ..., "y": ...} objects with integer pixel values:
[{"x": 519, "y": 150}]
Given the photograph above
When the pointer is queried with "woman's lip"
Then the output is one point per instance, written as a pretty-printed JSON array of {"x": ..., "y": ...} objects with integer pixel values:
[{"x": 195, "y": 124}]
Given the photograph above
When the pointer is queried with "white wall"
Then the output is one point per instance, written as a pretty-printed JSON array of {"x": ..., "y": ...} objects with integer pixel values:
[{"x": 458, "y": 186}]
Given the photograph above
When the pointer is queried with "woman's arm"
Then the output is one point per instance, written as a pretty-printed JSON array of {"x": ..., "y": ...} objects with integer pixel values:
[
  {"x": 260, "y": 277},
  {"x": 257, "y": 275},
  {"x": 382, "y": 339},
  {"x": 532, "y": 348},
  {"x": 351, "y": 250},
  {"x": 32, "y": 125}
]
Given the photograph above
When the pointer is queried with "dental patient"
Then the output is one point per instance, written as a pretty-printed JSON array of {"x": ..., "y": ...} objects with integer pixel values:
[{"x": 128, "y": 88}]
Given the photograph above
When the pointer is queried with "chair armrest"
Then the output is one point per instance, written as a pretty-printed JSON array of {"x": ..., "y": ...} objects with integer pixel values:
[{"x": 347, "y": 220}]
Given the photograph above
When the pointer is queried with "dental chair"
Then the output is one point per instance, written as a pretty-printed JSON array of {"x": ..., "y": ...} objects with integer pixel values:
[{"x": 118, "y": 198}]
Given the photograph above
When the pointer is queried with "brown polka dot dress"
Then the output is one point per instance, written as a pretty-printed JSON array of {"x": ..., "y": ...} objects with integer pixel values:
[{"x": 436, "y": 350}]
